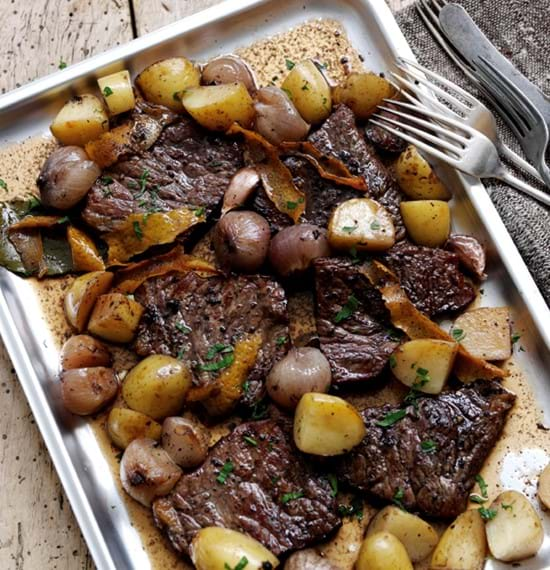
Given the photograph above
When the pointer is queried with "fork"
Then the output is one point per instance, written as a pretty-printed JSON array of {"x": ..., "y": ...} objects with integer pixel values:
[
  {"x": 429, "y": 12},
  {"x": 458, "y": 144}
]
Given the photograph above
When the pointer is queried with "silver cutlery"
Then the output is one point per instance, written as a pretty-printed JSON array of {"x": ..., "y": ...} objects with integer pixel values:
[
  {"x": 429, "y": 11},
  {"x": 449, "y": 139}
]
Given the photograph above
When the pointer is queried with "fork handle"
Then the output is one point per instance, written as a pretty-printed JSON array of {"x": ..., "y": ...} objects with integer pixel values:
[
  {"x": 514, "y": 158},
  {"x": 511, "y": 180}
]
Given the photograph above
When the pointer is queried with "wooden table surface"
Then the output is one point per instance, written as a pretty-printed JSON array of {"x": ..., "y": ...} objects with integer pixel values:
[{"x": 37, "y": 527}]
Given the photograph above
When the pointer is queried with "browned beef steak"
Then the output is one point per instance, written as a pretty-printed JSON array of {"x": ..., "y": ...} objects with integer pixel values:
[
  {"x": 200, "y": 320},
  {"x": 458, "y": 430},
  {"x": 187, "y": 166},
  {"x": 255, "y": 481},
  {"x": 340, "y": 136},
  {"x": 353, "y": 324},
  {"x": 431, "y": 277}
]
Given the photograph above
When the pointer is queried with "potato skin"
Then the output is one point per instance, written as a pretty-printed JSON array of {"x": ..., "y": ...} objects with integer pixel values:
[
  {"x": 117, "y": 92},
  {"x": 383, "y": 551},
  {"x": 157, "y": 386},
  {"x": 80, "y": 120},
  {"x": 82, "y": 295},
  {"x": 83, "y": 351},
  {"x": 163, "y": 82},
  {"x": 309, "y": 91},
  {"x": 217, "y": 107},
  {"x": 124, "y": 425},
  {"x": 115, "y": 317},
  {"x": 428, "y": 222},
  {"x": 363, "y": 92},
  {"x": 416, "y": 177}
]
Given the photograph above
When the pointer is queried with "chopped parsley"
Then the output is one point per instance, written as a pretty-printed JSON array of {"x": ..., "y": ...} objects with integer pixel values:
[
  {"x": 289, "y": 64},
  {"x": 218, "y": 348},
  {"x": 347, "y": 310},
  {"x": 250, "y": 440},
  {"x": 183, "y": 328},
  {"x": 243, "y": 563},
  {"x": 375, "y": 225},
  {"x": 333, "y": 481},
  {"x": 33, "y": 203},
  {"x": 3, "y": 184},
  {"x": 393, "y": 361},
  {"x": 259, "y": 411},
  {"x": 515, "y": 337},
  {"x": 63, "y": 220},
  {"x": 355, "y": 508},
  {"x": 482, "y": 486},
  {"x": 246, "y": 386},
  {"x": 281, "y": 340},
  {"x": 107, "y": 91},
  {"x": 487, "y": 514},
  {"x": 180, "y": 353},
  {"x": 291, "y": 205},
  {"x": 61, "y": 64},
  {"x": 199, "y": 212},
  {"x": 423, "y": 376},
  {"x": 477, "y": 499},
  {"x": 392, "y": 418},
  {"x": 458, "y": 334},
  {"x": 398, "y": 498},
  {"x": 137, "y": 230},
  {"x": 106, "y": 180},
  {"x": 226, "y": 361},
  {"x": 394, "y": 334},
  {"x": 349, "y": 229},
  {"x": 428, "y": 446},
  {"x": 143, "y": 180},
  {"x": 506, "y": 507},
  {"x": 225, "y": 471},
  {"x": 287, "y": 497}
]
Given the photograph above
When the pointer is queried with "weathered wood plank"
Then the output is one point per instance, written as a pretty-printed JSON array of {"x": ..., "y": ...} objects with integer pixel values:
[{"x": 37, "y": 527}]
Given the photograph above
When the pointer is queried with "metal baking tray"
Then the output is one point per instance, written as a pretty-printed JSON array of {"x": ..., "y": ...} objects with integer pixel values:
[{"x": 27, "y": 111}]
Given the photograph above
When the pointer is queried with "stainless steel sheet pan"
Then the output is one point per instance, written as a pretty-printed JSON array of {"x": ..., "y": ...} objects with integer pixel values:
[{"x": 27, "y": 111}]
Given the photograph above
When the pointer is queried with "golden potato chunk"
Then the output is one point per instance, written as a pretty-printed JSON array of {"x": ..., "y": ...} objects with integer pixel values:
[
  {"x": 82, "y": 295},
  {"x": 117, "y": 92},
  {"x": 124, "y": 425},
  {"x": 424, "y": 364},
  {"x": 309, "y": 91},
  {"x": 115, "y": 317},
  {"x": 164, "y": 81},
  {"x": 363, "y": 224},
  {"x": 544, "y": 487},
  {"x": 463, "y": 545},
  {"x": 80, "y": 120},
  {"x": 428, "y": 222},
  {"x": 416, "y": 177},
  {"x": 383, "y": 551},
  {"x": 157, "y": 386},
  {"x": 326, "y": 425},
  {"x": 217, "y": 107},
  {"x": 363, "y": 92},
  {"x": 485, "y": 332},
  {"x": 515, "y": 530}
]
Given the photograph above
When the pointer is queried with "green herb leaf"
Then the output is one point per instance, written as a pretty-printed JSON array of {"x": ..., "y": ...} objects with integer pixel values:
[
  {"x": 218, "y": 348},
  {"x": 482, "y": 486},
  {"x": 477, "y": 499},
  {"x": 106, "y": 180},
  {"x": 183, "y": 328},
  {"x": 398, "y": 498},
  {"x": 291, "y": 205},
  {"x": 355, "y": 508},
  {"x": 226, "y": 361},
  {"x": 287, "y": 497},
  {"x": 63, "y": 220},
  {"x": 289, "y": 64},
  {"x": 392, "y": 418},
  {"x": 3, "y": 184},
  {"x": 393, "y": 361},
  {"x": 137, "y": 230},
  {"x": 281, "y": 340},
  {"x": 259, "y": 410},
  {"x": 33, "y": 203},
  {"x": 515, "y": 337},
  {"x": 428, "y": 446},
  {"x": 198, "y": 212},
  {"x": 347, "y": 310},
  {"x": 349, "y": 229},
  {"x": 61, "y": 64},
  {"x": 246, "y": 386},
  {"x": 506, "y": 507},
  {"x": 107, "y": 91},
  {"x": 180, "y": 353},
  {"x": 333, "y": 481},
  {"x": 458, "y": 334},
  {"x": 375, "y": 225},
  {"x": 243, "y": 563},
  {"x": 250, "y": 440},
  {"x": 225, "y": 471},
  {"x": 487, "y": 514}
]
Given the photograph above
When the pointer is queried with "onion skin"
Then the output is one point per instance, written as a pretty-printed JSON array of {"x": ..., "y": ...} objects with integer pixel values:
[
  {"x": 277, "y": 119},
  {"x": 294, "y": 248},
  {"x": 301, "y": 371},
  {"x": 66, "y": 177},
  {"x": 185, "y": 441},
  {"x": 229, "y": 69},
  {"x": 147, "y": 471},
  {"x": 241, "y": 241},
  {"x": 86, "y": 390},
  {"x": 470, "y": 254},
  {"x": 84, "y": 351},
  {"x": 240, "y": 188}
]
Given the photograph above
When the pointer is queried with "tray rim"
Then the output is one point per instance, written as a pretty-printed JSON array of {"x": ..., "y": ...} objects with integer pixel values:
[{"x": 19, "y": 355}]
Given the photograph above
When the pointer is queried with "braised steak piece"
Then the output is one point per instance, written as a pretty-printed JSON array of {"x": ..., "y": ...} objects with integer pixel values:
[
  {"x": 340, "y": 137},
  {"x": 431, "y": 277},
  {"x": 200, "y": 319},
  {"x": 254, "y": 481},
  {"x": 458, "y": 430},
  {"x": 188, "y": 166},
  {"x": 353, "y": 324}
]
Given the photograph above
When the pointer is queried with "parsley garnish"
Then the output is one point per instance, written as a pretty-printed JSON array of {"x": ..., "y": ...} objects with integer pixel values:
[
  {"x": 458, "y": 334},
  {"x": 347, "y": 310},
  {"x": 428, "y": 446},
  {"x": 487, "y": 514},
  {"x": 424, "y": 378},
  {"x": 180, "y": 353},
  {"x": 506, "y": 507},
  {"x": 106, "y": 180},
  {"x": 63, "y": 220},
  {"x": 137, "y": 230},
  {"x": 250, "y": 440},
  {"x": 392, "y": 418},
  {"x": 393, "y": 361},
  {"x": 281, "y": 340},
  {"x": 224, "y": 472},
  {"x": 515, "y": 337},
  {"x": 143, "y": 180},
  {"x": 482, "y": 486},
  {"x": 3, "y": 184},
  {"x": 291, "y": 205},
  {"x": 61, "y": 64},
  {"x": 199, "y": 212},
  {"x": 218, "y": 348},
  {"x": 477, "y": 499},
  {"x": 107, "y": 91},
  {"x": 287, "y": 497},
  {"x": 259, "y": 411},
  {"x": 375, "y": 225},
  {"x": 33, "y": 203},
  {"x": 226, "y": 361},
  {"x": 246, "y": 386},
  {"x": 355, "y": 508},
  {"x": 243, "y": 563},
  {"x": 333, "y": 485},
  {"x": 349, "y": 229},
  {"x": 289, "y": 64},
  {"x": 183, "y": 328},
  {"x": 394, "y": 334},
  {"x": 398, "y": 498}
]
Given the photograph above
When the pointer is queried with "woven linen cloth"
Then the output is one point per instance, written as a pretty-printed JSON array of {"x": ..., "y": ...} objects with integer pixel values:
[{"x": 520, "y": 29}]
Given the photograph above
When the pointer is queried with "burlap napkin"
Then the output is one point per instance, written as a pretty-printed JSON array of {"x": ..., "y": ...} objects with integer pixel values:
[{"x": 520, "y": 29}]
